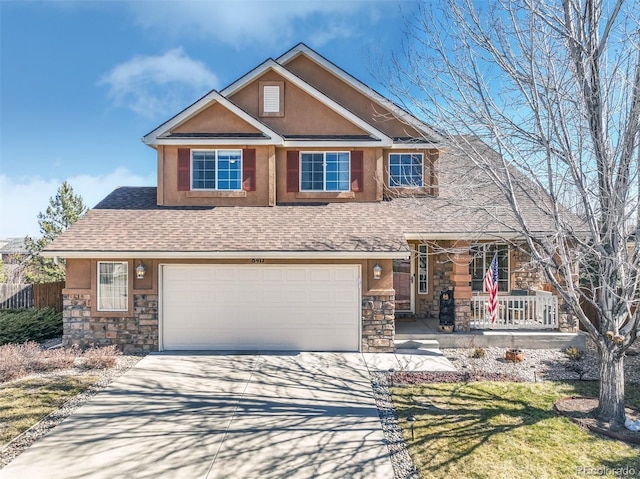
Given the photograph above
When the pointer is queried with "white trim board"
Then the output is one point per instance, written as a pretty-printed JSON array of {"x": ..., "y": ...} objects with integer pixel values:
[
  {"x": 227, "y": 254},
  {"x": 154, "y": 137}
]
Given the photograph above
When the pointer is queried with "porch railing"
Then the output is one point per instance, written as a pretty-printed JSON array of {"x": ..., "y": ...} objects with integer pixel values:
[{"x": 516, "y": 312}]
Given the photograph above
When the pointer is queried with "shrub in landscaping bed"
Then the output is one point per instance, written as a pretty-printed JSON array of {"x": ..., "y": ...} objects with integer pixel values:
[
  {"x": 100, "y": 358},
  {"x": 22, "y": 325},
  {"x": 17, "y": 360}
]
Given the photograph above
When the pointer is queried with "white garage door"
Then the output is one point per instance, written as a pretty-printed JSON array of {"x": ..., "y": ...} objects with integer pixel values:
[{"x": 267, "y": 307}]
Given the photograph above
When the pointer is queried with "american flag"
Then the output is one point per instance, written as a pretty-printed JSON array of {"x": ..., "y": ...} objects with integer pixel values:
[{"x": 491, "y": 287}]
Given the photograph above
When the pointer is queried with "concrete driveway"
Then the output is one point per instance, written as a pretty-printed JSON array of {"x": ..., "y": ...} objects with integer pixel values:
[{"x": 299, "y": 415}]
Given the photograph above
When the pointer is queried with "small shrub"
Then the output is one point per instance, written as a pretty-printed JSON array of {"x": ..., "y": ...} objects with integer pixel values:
[
  {"x": 100, "y": 358},
  {"x": 17, "y": 360},
  {"x": 12, "y": 362},
  {"x": 60, "y": 358},
  {"x": 478, "y": 353},
  {"x": 574, "y": 354},
  {"x": 576, "y": 365},
  {"x": 22, "y": 325}
]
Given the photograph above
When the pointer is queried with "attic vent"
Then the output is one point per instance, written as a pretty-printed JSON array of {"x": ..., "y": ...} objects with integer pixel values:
[{"x": 271, "y": 98}]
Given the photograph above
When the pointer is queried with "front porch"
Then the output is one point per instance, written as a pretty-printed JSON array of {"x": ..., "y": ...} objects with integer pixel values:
[
  {"x": 525, "y": 302},
  {"x": 535, "y": 309},
  {"x": 423, "y": 333}
]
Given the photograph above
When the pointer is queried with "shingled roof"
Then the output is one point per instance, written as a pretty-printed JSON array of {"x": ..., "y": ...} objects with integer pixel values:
[{"x": 129, "y": 220}]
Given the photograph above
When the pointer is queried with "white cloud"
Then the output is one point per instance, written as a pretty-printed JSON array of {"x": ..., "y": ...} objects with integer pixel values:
[
  {"x": 154, "y": 86},
  {"x": 22, "y": 199},
  {"x": 242, "y": 23}
]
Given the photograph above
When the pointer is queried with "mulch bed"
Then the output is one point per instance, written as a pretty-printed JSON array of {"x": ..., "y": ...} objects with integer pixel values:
[
  {"x": 422, "y": 377},
  {"x": 581, "y": 410}
]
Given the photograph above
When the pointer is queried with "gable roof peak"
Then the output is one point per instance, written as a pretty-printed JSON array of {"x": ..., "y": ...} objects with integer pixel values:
[
  {"x": 271, "y": 64},
  {"x": 402, "y": 114},
  {"x": 158, "y": 135}
]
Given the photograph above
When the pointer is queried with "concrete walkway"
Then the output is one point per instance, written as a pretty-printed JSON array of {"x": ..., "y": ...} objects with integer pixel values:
[
  {"x": 267, "y": 416},
  {"x": 414, "y": 359},
  {"x": 427, "y": 330}
]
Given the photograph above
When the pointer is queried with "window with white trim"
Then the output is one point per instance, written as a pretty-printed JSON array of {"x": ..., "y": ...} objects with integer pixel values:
[
  {"x": 216, "y": 170},
  {"x": 405, "y": 170},
  {"x": 423, "y": 269},
  {"x": 113, "y": 286},
  {"x": 481, "y": 257},
  {"x": 325, "y": 171}
]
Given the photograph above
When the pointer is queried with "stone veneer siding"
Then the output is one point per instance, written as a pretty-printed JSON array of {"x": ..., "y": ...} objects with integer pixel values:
[
  {"x": 524, "y": 275},
  {"x": 137, "y": 333},
  {"x": 378, "y": 324},
  {"x": 446, "y": 270},
  {"x": 440, "y": 280}
]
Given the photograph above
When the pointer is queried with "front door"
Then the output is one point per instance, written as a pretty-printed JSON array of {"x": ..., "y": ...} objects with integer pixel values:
[{"x": 403, "y": 284}]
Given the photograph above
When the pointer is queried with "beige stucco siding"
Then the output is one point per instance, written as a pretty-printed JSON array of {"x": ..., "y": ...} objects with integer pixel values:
[
  {"x": 349, "y": 97},
  {"x": 262, "y": 196},
  {"x": 303, "y": 114},
  {"x": 215, "y": 119},
  {"x": 371, "y": 191},
  {"x": 78, "y": 273},
  {"x": 82, "y": 273}
]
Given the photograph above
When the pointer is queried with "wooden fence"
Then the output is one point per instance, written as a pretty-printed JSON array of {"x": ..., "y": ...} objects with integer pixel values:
[
  {"x": 45, "y": 295},
  {"x": 13, "y": 295},
  {"x": 48, "y": 295}
]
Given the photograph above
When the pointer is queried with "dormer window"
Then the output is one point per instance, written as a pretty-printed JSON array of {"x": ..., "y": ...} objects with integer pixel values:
[{"x": 271, "y": 98}]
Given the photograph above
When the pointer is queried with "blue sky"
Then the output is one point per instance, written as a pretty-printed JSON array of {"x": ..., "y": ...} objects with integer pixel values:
[{"x": 82, "y": 81}]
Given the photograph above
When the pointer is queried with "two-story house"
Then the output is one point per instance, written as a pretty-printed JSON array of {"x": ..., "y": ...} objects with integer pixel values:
[{"x": 296, "y": 209}]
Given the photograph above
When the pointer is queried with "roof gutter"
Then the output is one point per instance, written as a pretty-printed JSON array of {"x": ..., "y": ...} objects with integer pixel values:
[
  {"x": 468, "y": 236},
  {"x": 480, "y": 236},
  {"x": 227, "y": 254}
]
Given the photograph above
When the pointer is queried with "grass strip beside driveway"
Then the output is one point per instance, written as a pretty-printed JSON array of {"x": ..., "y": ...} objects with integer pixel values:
[
  {"x": 25, "y": 402},
  {"x": 506, "y": 430}
]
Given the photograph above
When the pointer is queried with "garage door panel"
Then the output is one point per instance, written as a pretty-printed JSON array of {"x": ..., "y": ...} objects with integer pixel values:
[
  {"x": 344, "y": 296},
  {"x": 295, "y": 274},
  {"x": 321, "y": 274},
  {"x": 346, "y": 275},
  {"x": 261, "y": 307}
]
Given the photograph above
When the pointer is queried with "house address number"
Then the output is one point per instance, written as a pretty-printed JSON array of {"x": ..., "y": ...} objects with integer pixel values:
[{"x": 257, "y": 260}]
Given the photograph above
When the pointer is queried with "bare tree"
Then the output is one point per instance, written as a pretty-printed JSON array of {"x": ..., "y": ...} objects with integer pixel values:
[{"x": 552, "y": 86}]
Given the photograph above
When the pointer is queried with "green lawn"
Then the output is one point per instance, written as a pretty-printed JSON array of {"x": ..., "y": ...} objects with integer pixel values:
[
  {"x": 506, "y": 430},
  {"x": 25, "y": 402}
]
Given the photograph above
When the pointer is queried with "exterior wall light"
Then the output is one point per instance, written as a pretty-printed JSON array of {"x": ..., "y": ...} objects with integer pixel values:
[
  {"x": 377, "y": 271},
  {"x": 140, "y": 271}
]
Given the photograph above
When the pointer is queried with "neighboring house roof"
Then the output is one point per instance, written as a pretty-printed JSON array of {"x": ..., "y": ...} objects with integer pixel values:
[
  {"x": 129, "y": 221},
  {"x": 12, "y": 246}
]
